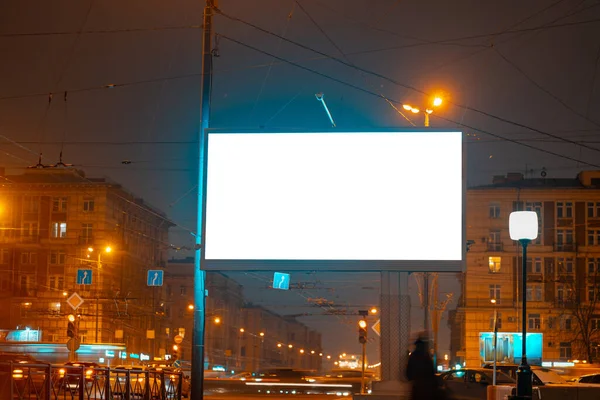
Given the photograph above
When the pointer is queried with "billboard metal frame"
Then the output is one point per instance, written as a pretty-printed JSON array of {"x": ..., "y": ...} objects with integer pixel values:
[{"x": 271, "y": 265}]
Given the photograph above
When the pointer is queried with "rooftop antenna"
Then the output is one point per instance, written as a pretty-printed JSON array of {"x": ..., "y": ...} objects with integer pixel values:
[
  {"x": 39, "y": 165},
  {"x": 321, "y": 97},
  {"x": 60, "y": 163}
]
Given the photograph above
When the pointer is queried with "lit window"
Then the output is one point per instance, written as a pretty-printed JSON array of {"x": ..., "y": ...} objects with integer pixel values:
[
  {"x": 59, "y": 229},
  {"x": 495, "y": 264}
]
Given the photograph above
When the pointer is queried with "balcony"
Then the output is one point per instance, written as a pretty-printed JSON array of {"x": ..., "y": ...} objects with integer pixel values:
[
  {"x": 565, "y": 247},
  {"x": 494, "y": 246}
]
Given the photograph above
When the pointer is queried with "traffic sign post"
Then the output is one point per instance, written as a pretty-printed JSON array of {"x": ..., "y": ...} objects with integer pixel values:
[
  {"x": 281, "y": 281},
  {"x": 84, "y": 276},
  {"x": 155, "y": 277}
]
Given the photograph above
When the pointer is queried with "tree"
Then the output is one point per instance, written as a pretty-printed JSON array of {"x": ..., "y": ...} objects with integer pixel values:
[{"x": 581, "y": 300}]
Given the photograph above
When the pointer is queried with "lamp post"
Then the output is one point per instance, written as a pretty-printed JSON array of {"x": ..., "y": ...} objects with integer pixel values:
[
  {"x": 107, "y": 249},
  {"x": 523, "y": 226},
  {"x": 435, "y": 102},
  {"x": 493, "y": 301}
]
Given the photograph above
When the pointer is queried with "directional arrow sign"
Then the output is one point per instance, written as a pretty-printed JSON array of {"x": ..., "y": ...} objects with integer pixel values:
[
  {"x": 84, "y": 276},
  {"x": 155, "y": 277},
  {"x": 281, "y": 281},
  {"x": 377, "y": 327}
]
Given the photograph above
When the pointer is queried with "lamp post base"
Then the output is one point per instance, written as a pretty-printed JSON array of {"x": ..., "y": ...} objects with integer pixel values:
[{"x": 524, "y": 382}]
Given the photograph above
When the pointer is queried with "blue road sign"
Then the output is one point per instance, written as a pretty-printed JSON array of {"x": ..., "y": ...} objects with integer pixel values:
[
  {"x": 281, "y": 281},
  {"x": 84, "y": 276},
  {"x": 155, "y": 277}
]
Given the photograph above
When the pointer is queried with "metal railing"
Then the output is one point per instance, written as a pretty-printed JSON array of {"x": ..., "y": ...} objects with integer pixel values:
[{"x": 48, "y": 382}]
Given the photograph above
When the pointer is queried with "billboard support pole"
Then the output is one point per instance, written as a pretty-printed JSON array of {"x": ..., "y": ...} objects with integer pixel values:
[
  {"x": 197, "y": 373},
  {"x": 395, "y": 332}
]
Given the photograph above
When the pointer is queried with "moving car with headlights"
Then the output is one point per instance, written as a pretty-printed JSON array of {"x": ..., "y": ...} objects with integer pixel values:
[
  {"x": 71, "y": 373},
  {"x": 24, "y": 372}
]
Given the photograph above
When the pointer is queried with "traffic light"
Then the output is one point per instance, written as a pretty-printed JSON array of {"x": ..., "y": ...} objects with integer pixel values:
[
  {"x": 71, "y": 330},
  {"x": 362, "y": 331},
  {"x": 71, "y": 326}
]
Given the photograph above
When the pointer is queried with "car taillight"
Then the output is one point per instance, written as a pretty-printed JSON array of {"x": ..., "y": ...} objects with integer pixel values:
[
  {"x": 61, "y": 372},
  {"x": 17, "y": 373}
]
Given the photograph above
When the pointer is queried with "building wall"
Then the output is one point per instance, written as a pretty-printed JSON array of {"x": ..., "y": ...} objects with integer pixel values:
[
  {"x": 49, "y": 219},
  {"x": 235, "y": 341},
  {"x": 563, "y": 260}
]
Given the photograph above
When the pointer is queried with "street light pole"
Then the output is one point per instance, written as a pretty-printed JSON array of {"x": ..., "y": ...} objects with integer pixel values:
[
  {"x": 493, "y": 301},
  {"x": 523, "y": 226}
]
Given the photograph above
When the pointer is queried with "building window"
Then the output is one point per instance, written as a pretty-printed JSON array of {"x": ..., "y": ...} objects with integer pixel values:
[
  {"x": 28, "y": 257},
  {"x": 58, "y": 257},
  {"x": 565, "y": 350},
  {"x": 593, "y": 266},
  {"x": 59, "y": 204},
  {"x": 4, "y": 256},
  {"x": 534, "y": 321},
  {"x": 564, "y": 210},
  {"x": 534, "y": 292},
  {"x": 566, "y": 323},
  {"x": 495, "y": 292},
  {"x": 59, "y": 229},
  {"x": 56, "y": 282},
  {"x": 31, "y": 204},
  {"x": 88, "y": 205},
  {"x": 4, "y": 282},
  {"x": 537, "y": 208},
  {"x": 182, "y": 290},
  {"x": 5, "y": 229},
  {"x": 595, "y": 324},
  {"x": 565, "y": 265},
  {"x": 564, "y": 239},
  {"x": 593, "y": 237},
  {"x": 494, "y": 241},
  {"x": 494, "y": 210},
  {"x": 563, "y": 293},
  {"x": 87, "y": 230},
  {"x": 593, "y": 293},
  {"x": 593, "y": 210},
  {"x": 30, "y": 229},
  {"x": 27, "y": 282},
  {"x": 181, "y": 332},
  {"x": 495, "y": 264},
  {"x": 534, "y": 266}
]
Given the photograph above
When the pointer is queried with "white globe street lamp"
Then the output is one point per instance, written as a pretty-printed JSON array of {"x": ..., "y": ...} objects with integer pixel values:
[{"x": 523, "y": 226}]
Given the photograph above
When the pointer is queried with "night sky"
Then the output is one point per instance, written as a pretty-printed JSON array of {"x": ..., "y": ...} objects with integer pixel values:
[{"x": 519, "y": 77}]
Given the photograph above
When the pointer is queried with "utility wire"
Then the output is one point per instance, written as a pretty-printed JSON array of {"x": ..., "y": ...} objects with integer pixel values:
[
  {"x": 397, "y": 102},
  {"x": 99, "y": 31}
]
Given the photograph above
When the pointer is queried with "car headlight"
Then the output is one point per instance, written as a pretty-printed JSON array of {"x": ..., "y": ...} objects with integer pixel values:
[
  {"x": 17, "y": 373},
  {"x": 61, "y": 372}
]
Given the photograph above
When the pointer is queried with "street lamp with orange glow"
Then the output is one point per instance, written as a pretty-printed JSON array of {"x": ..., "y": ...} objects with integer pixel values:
[
  {"x": 433, "y": 103},
  {"x": 90, "y": 250}
]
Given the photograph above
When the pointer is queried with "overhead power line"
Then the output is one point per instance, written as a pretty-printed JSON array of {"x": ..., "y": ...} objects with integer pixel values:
[
  {"x": 397, "y": 102},
  {"x": 99, "y": 31}
]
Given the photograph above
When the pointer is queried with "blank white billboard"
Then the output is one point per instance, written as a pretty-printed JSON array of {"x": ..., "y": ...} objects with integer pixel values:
[{"x": 392, "y": 198}]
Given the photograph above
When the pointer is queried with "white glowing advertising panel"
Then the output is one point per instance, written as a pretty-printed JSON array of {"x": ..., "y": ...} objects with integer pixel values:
[{"x": 386, "y": 200}]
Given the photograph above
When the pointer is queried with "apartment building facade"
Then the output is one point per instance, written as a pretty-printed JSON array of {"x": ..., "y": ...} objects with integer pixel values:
[
  {"x": 239, "y": 336},
  {"x": 563, "y": 271},
  {"x": 55, "y": 223}
]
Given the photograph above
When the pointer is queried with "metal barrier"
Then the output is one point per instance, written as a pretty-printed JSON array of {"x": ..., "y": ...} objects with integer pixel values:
[{"x": 48, "y": 382}]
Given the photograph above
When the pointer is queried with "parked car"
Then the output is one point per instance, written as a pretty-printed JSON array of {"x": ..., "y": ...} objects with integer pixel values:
[
  {"x": 70, "y": 374},
  {"x": 471, "y": 383},
  {"x": 589, "y": 379},
  {"x": 24, "y": 372},
  {"x": 541, "y": 375}
]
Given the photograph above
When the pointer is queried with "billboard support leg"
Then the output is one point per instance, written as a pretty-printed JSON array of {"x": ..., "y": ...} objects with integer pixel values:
[{"x": 395, "y": 334}]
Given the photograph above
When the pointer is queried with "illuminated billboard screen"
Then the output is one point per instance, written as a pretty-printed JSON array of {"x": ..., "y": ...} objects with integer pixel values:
[
  {"x": 509, "y": 347},
  {"x": 383, "y": 200}
]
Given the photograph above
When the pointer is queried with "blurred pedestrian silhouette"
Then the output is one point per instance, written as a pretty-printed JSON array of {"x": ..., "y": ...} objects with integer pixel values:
[{"x": 421, "y": 374}]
